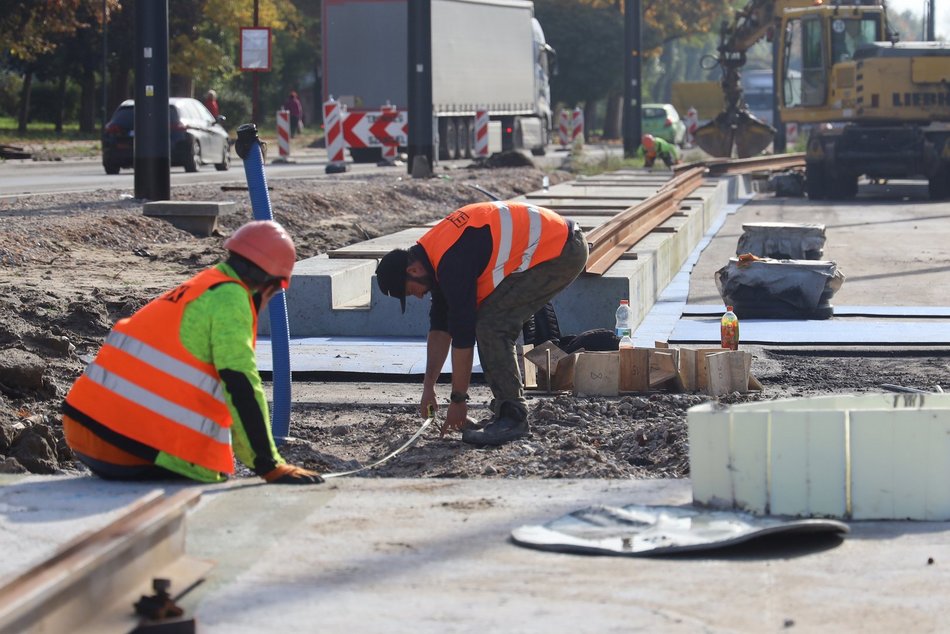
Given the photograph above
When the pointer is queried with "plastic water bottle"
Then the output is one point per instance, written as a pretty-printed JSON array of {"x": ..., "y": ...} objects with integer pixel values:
[
  {"x": 623, "y": 319},
  {"x": 729, "y": 329}
]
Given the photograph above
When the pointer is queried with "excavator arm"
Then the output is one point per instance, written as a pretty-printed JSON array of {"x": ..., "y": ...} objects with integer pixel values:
[{"x": 735, "y": 126}]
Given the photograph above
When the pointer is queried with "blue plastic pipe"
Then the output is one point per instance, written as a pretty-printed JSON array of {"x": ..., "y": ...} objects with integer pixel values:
[{"x": 249, "y": 149}]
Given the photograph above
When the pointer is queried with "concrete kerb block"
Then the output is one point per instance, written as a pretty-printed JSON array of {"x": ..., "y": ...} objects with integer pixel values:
[
  {"x": 195, "y": 216},
  {"x": 867, "y": 457}
]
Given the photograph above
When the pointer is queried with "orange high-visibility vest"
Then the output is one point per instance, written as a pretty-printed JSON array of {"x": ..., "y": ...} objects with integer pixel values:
[
  {"x": 522, "y": 236},
  {"x": 145, "y": 385}
]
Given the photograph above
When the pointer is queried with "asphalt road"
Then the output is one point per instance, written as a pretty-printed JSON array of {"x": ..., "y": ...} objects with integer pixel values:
[{"x": 24, "y": 177}]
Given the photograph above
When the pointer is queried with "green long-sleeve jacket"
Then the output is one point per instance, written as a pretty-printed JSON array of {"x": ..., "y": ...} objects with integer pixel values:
[{"x": 217, "y": 327}]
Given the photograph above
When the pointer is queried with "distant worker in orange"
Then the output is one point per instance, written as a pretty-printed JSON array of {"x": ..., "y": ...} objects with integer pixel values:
[
  {"x": 652, "y": 148},
  {"x": 174, "y": 391},
  {"x": 211, "y": 103}
]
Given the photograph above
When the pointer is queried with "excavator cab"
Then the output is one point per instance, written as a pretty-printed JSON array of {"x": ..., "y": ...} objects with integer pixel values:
[{"x": 815, "y": 36}]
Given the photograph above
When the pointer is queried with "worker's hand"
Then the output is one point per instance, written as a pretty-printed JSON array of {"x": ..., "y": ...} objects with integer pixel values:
[
  {"x": 429, "y": 404},
  {"x": 455, "y": 417},
  {"x": 289, "y": 474}
]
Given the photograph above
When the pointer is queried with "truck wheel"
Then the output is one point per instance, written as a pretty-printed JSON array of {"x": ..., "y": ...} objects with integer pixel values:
[
  {"x": 464, "y": 129},
  {"x": 366, "y": 154},
  {"x": 451, "y": 140},
  {"x": 939, "y": 184},
  {"x": 540, "y": 151},
  {"x": 814, "y": 181},
  {"x": 844, "y": 187}
]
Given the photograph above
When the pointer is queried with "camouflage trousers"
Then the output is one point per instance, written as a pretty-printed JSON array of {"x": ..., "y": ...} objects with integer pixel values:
[{"x": 503, "y": 313}]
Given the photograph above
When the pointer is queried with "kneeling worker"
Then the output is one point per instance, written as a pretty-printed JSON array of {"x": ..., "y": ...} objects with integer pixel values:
[
  {"x": 652, "y": 147},
  {"x": 175, "y": 385},
  {"x": 489, "y": 267}
]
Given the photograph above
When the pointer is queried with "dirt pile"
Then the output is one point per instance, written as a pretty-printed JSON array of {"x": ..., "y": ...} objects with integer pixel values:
[{"x": 73, "y": 264}]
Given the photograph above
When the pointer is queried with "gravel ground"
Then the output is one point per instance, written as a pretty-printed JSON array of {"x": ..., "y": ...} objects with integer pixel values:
[{"x": 71, "y": 265}]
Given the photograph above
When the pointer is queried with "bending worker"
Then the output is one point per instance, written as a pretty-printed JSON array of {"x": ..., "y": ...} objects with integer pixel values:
[
  {"x": 652, "y": 147},
  {"x": 175, "y": 385},
  {"x": 489, "y": 267}
]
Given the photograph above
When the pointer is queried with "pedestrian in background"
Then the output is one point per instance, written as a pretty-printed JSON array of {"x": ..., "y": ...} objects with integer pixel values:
[
  {"x": 211, "y": 103},
  {"x": 296, "y": 112},
  {"x": 174, "y": 391},
  {"x": 489, "y": 267}
]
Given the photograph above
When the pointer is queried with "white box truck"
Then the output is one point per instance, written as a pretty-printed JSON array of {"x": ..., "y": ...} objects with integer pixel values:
[{"x": 486, "y": 54}]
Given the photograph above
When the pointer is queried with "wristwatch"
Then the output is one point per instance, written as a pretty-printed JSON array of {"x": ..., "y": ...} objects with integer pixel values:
[{"x": 458, "y": 397}]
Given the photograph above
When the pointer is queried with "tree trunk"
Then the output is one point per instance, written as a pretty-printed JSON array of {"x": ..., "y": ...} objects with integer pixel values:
[
  {"x": 119, "y": 88},
  {"x": 613, "y": 120},
  {"x": 61, "y": 95},
  {"x": 87, "y": 101},
  {"x": 24, "y": 115},
  {"x": 590, "y": 114}
]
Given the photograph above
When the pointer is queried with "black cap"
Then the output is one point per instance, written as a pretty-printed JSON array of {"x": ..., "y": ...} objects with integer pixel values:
[{"x": 391, "y": 275}]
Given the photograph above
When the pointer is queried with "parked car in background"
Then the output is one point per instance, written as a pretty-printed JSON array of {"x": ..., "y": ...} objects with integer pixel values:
[
  {"x": 195, "y": 136},
  {"x": 663, "y": 121}
]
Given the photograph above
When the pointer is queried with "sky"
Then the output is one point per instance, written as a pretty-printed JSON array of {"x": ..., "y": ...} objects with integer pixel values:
[{"x": 917, "y": 6}]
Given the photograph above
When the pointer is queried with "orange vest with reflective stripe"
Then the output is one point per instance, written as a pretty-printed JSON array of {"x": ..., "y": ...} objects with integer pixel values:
[
  {"x": 145, "y": 385},
  {"x": 522, "y": 236}
]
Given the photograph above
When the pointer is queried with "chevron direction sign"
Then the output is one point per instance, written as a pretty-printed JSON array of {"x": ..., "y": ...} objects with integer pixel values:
[{"x": 376, "y": 129}]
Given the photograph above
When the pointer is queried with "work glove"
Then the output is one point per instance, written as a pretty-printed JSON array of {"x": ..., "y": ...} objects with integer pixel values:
[{"x": 289, "y": 474}]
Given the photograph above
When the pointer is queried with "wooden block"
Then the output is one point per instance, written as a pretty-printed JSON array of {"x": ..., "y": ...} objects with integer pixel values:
[
  {"x": 597, "y": 374},
  {"x": 634, "y": 369},
  {"x": 541, "y": 355},
  {"x": 702, "y": 371},
  {"x": 754, "y": 384},
  {"x": 563, "y": 378},
  {"x": 661, "y": 344},
  {"x": 727, "y": 372},
  {"x": 662, "y": 367},
  {"x": 687, "y": 369},
  {"x": 529, "y": 371}
]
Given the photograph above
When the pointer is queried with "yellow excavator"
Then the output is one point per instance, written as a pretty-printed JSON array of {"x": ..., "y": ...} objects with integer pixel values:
[{"x": 873, "y": 106}]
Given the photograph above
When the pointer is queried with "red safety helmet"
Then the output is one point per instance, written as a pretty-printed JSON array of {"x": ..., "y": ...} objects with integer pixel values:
[
  {"x": 648, "y": 141},
  {"x": 266, "y": 244}
]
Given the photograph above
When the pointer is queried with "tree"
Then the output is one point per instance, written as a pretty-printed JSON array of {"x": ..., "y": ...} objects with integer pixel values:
[{"x": 30, "y": 30}]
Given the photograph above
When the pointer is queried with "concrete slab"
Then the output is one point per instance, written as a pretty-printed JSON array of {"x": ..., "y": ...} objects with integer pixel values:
[
  {"x": 590, "y": 302},
  {"x": 196, "y": 216},
  {"x": 370, "y": 555},
  {"x": 360, "y": 355},
  {"x": 834, "y": 331}
]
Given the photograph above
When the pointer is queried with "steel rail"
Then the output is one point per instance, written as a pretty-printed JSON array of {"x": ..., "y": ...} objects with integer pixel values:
[
  {"x": 719, "y": 167},
  {"x": 83, "y": 585},
  {"x": 611, "y": 240}
]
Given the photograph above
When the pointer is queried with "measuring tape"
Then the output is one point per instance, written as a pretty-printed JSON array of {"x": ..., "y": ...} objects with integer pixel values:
[{"x": 415, "y": 436}]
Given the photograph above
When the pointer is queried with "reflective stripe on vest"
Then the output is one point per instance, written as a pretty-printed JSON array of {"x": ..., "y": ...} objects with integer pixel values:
[
  {"x": 523, "y": 236},
  {"x": 163, "y": 407},
  {"x": 145, "y": 385},
  {"x": 166, "y": 363}
]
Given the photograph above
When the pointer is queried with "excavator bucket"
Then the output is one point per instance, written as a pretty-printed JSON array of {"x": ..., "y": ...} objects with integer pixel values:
[{"x": 748, "y": 134}]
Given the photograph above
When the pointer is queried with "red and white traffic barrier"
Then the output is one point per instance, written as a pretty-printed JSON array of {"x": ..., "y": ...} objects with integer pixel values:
[
  {"x": 577, "y": 133},
  {"x": 692, "y": 124},
  {"x": 791, "y": 133},
  {"x": 564, "y": 127},
  {"x": 283, "y": 134},
  {"x": 481, "y": 134},
  {"x": 333, "y": 135},
  {"x": 390, "y": 146}
]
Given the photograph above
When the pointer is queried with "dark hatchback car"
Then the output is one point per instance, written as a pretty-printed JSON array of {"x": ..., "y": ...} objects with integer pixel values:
[{"x": 196, "y": 137}]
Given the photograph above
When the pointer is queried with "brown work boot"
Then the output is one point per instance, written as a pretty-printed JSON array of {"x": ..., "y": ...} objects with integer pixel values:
[
  {"x": 510, "y": 425},
  {"x": 471, "y": 424}
]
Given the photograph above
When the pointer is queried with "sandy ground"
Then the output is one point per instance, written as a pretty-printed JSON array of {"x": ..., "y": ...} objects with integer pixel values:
[{"x": 71, "y": 265}]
